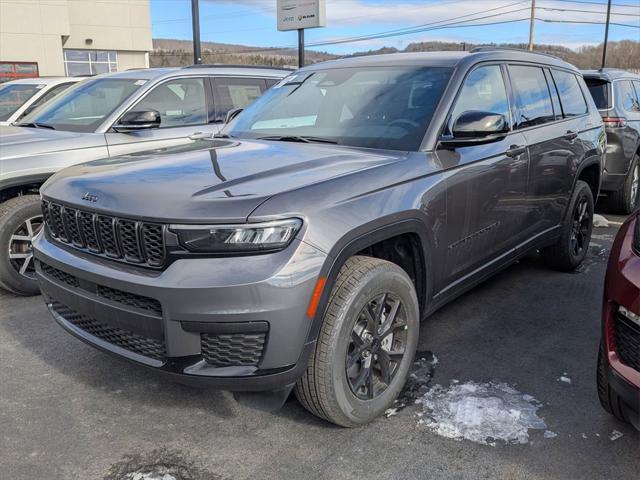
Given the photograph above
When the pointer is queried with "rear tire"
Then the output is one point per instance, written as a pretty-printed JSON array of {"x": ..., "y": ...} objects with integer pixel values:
[
  {"x": 345, "y": 380},
  {"x": 609, "y": 399},
  {"x": 20, "y": 218},
  {"x": 572, "y": 247},
  {"x": 625, "y": 200}
]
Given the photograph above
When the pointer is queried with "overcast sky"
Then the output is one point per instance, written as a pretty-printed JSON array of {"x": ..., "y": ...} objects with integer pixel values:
[{"x": 253, "y": 22}]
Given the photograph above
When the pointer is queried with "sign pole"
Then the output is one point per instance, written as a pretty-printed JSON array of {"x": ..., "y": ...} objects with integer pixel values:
[
  {"x": 195, "y": 21},
  {"x": 606, "y": 35},
  {"x": 300, "y": 47}
]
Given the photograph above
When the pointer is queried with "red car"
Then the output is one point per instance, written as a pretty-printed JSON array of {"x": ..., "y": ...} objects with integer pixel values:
[{"x": 619, "y": 358}]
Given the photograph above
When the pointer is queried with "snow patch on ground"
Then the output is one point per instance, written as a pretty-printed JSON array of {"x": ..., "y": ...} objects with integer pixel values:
[
  {"x": 615, "y": 435},
  {"x": 600, "y": 222},
  {"x": 149, "y": 476},
  {"x": 565, "y": 379},
  {"x": 485, "y": 413},
  {"x": 550, "y": 434}
]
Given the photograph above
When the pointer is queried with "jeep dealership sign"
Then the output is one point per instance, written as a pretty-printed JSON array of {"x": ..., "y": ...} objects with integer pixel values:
[{"x": 297, "y": 14}]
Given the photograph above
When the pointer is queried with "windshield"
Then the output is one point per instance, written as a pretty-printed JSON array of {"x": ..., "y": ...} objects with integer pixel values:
[
  {"x": 83, "y": 107},
  {"x": 12, "y": 97},
  {"x": 600, "y": 92},
  {"x": 374, "y": 107}
]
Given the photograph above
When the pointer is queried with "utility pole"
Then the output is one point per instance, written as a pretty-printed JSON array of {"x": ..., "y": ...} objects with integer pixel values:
[
  {"x": 195, "y": 22},
  {"x": 532, "y": 23},
  {"x": 606, "y": 35},
  {"x": 300, "y": 47}
]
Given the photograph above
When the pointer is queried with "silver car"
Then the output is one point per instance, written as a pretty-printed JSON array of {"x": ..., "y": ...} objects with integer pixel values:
[{"x": 105, "y": 116}]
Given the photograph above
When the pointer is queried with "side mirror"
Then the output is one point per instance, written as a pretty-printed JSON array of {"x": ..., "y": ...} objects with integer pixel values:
[
  {"x": 231, "y": 114},
  {"x": 135, "y": 120},
  {"x": 474, "y": 124}
]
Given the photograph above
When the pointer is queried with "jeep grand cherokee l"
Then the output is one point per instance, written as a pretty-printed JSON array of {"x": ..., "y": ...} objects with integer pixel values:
[
  {"x": 349, "y": 202},
  {"x": 105, "y": 116}
]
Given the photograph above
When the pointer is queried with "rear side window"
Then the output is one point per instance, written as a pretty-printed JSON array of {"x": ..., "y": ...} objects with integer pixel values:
[
  {"x": 600, "y": 91},
  {"x": 573, "y": 102},
  {"x": 180, "y": 102},
  {"x": 628, "y": 98},
  {"x": 533, "y": 100},
  {"x": 232, "y": 93},
  {"x": 483, "y": 90}
]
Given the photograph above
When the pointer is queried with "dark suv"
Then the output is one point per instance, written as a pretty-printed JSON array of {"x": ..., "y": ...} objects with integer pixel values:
[
  {"x": 303, "y": 248},
  {"x": 617, "y": 96}
]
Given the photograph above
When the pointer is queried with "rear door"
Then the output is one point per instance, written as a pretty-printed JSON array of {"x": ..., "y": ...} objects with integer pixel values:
[
  {"x": 186, "y": 109},
  {"x": 541, "y": 99},
  {"x": 486, "y": 190}
]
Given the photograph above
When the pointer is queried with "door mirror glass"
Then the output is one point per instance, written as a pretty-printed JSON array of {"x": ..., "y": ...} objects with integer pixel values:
[
  {"x": 138, "y": 120},
  {"x": 231, "y": 114},
  {"x": 479, "y": 124}
]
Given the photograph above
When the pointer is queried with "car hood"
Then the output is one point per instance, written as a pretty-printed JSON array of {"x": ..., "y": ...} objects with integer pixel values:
[
  {"x": 24, "y": 141},
  {"x": 220, "y": 180}
]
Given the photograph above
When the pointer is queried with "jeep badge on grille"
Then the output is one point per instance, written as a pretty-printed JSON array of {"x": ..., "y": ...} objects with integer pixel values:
[{"x": 89, "y": 197}]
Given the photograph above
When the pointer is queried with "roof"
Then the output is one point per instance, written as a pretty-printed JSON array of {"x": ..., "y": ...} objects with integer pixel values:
[
  {"x": 610, "y": 74},
  {"x": 450, "y": 59},
  {"x": 42, "y": 80},
  {"x": 236, "y": 70}
]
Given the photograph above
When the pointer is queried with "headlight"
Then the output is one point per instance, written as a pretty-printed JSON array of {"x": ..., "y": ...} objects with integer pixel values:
[{"x": 248, "y": 237}]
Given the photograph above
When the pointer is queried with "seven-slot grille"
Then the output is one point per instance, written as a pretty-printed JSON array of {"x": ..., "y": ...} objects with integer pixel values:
[{"x": 131, "y": 241}]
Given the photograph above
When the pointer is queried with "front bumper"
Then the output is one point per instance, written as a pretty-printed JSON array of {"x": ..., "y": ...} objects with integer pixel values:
[{"x": 236, "y": 323}]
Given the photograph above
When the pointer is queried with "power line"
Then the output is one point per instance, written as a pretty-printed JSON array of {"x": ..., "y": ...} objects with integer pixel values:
[{"x": 617, "y": 5}]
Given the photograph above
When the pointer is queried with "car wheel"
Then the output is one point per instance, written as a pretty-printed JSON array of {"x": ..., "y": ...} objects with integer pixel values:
[
  {"x": 20, "y": 220},
  {"x": 625, "y": 200},
  {"x": 366, "y": 344},
  {"x": 572, "y": 247},
  {"x": 609, "y": 399}
]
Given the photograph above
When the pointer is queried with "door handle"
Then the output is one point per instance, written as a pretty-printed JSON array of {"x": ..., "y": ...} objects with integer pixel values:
[
  {"x": 200, "y": 135},
  {"x": 515, "y": 150},
  {"x": 571, "y": 135}
]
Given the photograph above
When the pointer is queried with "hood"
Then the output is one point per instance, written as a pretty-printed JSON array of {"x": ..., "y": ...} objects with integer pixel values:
[
  {"x": 24, "y": 141},
  {"x": 223, "y": 180}
]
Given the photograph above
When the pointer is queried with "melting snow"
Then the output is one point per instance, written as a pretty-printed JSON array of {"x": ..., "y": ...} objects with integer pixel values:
[
  {"x": 149, "y": 476},
  {"x": 565, "y": 379},
  {"x": 600, "y": 221},
  {"x": 550, "y": 434},
  {"x": 483, "y": 413}
]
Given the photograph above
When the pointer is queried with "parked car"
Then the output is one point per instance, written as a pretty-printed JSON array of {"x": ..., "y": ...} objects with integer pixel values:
[
  {"x": 617, "y": 96},
  {"x": 303, "y": 248},
  {"x": 619, "y": 357},
  {"x": 106, "y": 116},
  {"x": 20, "y": 97}
]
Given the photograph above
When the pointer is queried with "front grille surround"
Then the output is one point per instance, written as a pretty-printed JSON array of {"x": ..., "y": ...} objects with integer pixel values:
[{"x": 126, "y": 240}]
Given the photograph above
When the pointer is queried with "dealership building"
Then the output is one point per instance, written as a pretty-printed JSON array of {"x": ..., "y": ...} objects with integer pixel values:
[{"x": 73, "y": 37}]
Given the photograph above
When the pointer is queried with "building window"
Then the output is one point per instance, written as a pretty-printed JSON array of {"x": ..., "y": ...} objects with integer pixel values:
[
  {"x": 14, "y": 70},
  {"x": 89, "y": 62}
]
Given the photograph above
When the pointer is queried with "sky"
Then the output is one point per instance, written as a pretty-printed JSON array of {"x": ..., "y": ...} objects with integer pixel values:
[{"x": 253, "y": 22}]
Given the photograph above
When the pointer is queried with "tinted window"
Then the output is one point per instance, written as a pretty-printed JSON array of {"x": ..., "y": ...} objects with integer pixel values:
[
  {"x": 236, "y": 93},
  {"x": 375, "y": 107},
  {"x": 180, "y": 102},
  {"x": 13, "y": 96},
  {"x": 532, "y": 96},
  {"x": 555, "y": 98},
  {"x": 573, "y": 102},
  {"x": 599, "y": 90},
  {"x": 83, "y": 107},
  {"x": 46, "y": 97},
  {"x": 627, "y": 95},
  {"x": 483, "y": 90}
]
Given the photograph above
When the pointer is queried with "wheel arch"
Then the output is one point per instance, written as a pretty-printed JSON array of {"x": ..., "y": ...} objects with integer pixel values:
[{"x": 23, "y": 185}]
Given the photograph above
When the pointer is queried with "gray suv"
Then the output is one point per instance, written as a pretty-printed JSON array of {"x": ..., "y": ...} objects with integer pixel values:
[
  {"x": 301, "y": 249},
  {"x": 106, "y": 116},
  {"x": 617, "y": 96}
]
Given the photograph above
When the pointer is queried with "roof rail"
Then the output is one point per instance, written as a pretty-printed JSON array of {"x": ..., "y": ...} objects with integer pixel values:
[
  {"x": 224, "y": 65},
  {"x": 511, "y": 49}
]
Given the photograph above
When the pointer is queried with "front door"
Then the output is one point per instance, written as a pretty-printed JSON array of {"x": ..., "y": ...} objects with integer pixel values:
[
  {"x": 186, "y": 111},
  {"x": 486, "y": 189}
]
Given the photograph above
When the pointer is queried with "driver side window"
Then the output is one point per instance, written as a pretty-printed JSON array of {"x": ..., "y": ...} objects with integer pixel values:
[{"x": 483, "y": 90}]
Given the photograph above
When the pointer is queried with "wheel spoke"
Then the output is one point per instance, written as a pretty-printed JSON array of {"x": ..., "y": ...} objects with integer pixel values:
[
  {"x": 388, "y": 321},
  {"x": 16, "y": 256},
  {"x": 385, "y": 368},
  {"x": 20, "y": 238},
  {"x": 380, "y": 308},
  {"x": 25, "y": 264},
  {"x": 370, "y": 383},
  {"x": 29, "y": 227},
  {"x": 362, "y": 378},
  {"x": 371, "y": 319}
]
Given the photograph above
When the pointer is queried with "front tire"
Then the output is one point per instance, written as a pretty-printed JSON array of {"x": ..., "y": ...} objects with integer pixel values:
[
  {"x": 609, "y": 399},
  {"x": 20, "y": 221},
  {"x": 366, "y": 344},
  {"x": 572, "y": 247}
]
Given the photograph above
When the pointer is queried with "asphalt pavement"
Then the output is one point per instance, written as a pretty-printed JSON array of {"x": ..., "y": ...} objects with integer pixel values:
[{"x": 68, "y": 411}]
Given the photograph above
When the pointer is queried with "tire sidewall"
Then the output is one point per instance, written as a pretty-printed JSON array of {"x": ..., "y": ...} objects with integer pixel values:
[
  {"x": 9, "y": 222},
  {"x": 375, "y": 283},
  {"x": 582, "y": 191},
  {"x": 628, "y": 185}
]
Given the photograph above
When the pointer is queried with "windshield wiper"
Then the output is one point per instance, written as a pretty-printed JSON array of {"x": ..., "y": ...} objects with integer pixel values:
[
  {"x": 300, "y": 139},
  {"x": 35, "y": 125}
]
